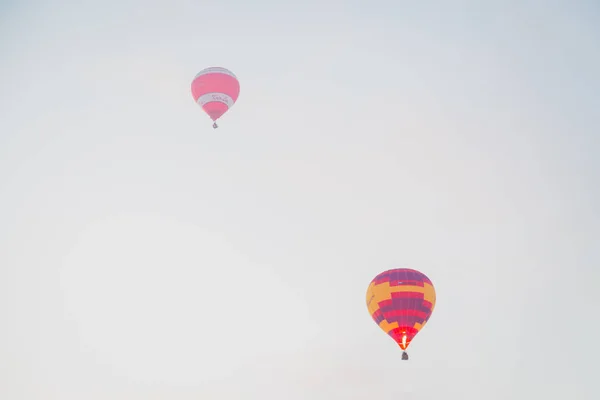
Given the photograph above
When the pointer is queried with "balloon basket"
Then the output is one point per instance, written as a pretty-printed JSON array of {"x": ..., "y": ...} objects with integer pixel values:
[{"x": 404, "y": 355}]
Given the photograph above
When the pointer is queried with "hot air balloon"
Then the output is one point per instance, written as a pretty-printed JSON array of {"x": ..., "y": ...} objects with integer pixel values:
[
  {"x": 401, "y": 301},
  {"x": 215, "y": 89}
]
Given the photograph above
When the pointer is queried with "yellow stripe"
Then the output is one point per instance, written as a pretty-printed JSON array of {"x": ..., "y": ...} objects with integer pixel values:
[
  {"x": 386, "y": 326},
  {"x": 429, "y": 295}
]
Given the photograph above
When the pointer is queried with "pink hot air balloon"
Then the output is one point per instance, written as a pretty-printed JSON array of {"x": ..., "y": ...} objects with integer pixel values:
[{"x": 215, "y": 89}]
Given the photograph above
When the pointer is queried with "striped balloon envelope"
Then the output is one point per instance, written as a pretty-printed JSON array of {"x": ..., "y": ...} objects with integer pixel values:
[
  {"x": 216, "y": 90},
  {"x": 401, "y": 301}
]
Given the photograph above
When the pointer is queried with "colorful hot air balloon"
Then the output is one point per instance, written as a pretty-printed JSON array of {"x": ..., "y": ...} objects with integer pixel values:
[
  {"x": 401, "y": 301},
  {"x": 215, "y": 89}
]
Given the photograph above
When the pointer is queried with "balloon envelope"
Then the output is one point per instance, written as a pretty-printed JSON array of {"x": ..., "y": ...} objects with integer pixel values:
[
  {"x": 216, "y": 90},
  {"x": 401, "y": 301}
]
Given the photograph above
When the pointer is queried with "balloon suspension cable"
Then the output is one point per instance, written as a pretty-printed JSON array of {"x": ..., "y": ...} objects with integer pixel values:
[
  {"x": 215, "y": 126},
  {"x": 404, "y": 355}
]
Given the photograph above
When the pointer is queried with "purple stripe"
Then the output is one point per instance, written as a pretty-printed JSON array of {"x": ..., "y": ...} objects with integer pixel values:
[
  {"x": 406, "y": 304},
  {"x": 407, "y": 320},
  {"x": 402, "y": 275},
  {"x": 378, "y": 318}
]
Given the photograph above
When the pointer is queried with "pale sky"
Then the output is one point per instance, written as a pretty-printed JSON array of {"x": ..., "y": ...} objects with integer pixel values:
[{"x": 144, "y": 255}]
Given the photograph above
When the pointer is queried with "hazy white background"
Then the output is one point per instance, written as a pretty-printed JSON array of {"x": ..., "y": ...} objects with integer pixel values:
[{"x": 144, "y": 255}]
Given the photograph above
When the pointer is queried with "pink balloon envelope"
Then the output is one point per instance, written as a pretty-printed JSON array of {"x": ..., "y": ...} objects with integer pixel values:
[{"x": 216, "y": 90}]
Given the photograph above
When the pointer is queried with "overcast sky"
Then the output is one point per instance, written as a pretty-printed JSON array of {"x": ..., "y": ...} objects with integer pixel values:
[{"x": 144, "y": 255}]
